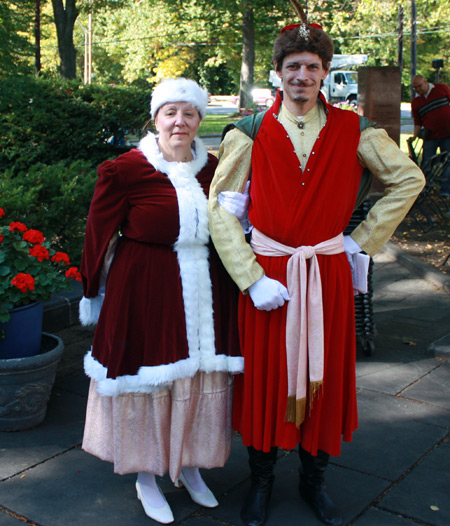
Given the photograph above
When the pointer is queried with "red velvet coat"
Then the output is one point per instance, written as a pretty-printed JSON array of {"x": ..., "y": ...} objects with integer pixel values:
[
  {"x": 301, "y": 208},
  {"x": 169, "y": 307}
]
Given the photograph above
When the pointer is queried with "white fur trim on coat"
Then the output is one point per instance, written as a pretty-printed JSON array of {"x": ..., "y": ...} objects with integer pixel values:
[
  {"x": 151, "y": 379},
  {"x": 89, "y": 309}
]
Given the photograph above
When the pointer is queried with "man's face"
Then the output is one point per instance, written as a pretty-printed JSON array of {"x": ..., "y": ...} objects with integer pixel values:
[
  {"x": 421, "y": 86},
  {"x": 302, "y": 74}
]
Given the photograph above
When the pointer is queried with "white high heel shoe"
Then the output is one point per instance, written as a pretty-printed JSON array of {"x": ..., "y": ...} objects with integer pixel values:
[
  {"x": 163, "y": 515},
  {"x": 204, "y": 498}
]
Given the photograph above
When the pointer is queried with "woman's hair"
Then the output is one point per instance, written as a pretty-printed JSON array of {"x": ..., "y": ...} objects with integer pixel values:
[{"x": 294, "y": 41}]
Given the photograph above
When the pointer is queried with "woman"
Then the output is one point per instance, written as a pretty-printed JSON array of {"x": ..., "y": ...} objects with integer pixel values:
[{"x": 166, "y": 339}]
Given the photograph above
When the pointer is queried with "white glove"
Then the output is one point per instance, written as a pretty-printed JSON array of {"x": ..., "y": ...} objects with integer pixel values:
[
  {"x": 268, "y": 294},
  {"x": 235, "y": 203},
  {"x": 351, "y": 247}
]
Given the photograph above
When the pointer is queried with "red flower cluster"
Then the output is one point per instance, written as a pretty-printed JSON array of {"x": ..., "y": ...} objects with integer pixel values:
[
  {"x": 32, "y": 270},
  {"x": 61, "y": 256},
  {"x": 23, "y": 282},
  {"x": 72, "y": 272},
  {"x": 33, "y": 236},
  {"x": 16, "y": 226},
  {"x": 39, "y": 252}
]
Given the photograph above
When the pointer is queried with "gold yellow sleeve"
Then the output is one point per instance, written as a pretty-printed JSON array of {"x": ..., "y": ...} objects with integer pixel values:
[
  {"x": 232, "y": 173},
  {"x": 403, "y": 182}
]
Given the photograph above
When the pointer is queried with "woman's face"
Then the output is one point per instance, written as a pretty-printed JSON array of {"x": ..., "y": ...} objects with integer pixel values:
[{"x": 177, "y": 124}]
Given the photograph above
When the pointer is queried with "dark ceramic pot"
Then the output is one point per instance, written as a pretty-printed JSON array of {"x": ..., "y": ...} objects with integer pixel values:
[{"x": 26, "y": 384}]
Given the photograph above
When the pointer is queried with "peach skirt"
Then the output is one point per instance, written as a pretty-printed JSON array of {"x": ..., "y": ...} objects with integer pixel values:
[{"x": 186, "y": 425}]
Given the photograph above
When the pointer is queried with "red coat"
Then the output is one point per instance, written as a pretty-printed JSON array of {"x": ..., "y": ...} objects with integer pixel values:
[
  {"x": 170, "y": 307},
  {"x": 299, "y": 208}
]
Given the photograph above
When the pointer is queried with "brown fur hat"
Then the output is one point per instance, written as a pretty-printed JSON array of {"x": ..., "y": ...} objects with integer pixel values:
[{"x": 291, "y": 40}]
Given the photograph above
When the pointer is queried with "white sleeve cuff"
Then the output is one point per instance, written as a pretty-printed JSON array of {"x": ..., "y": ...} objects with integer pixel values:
[{"x": 89, "y": 309}]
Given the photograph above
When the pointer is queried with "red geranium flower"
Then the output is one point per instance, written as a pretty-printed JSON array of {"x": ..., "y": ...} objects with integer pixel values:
[
  {"x": 17, "y": 226},
  {"x": 61, "y": 256},
  {"x": 33, "y": 236},
  {"x": 72, "y": 272},
  {"x": 39, "y": 252},
  {"x": 2, "y": 212},
  {"x": 24, "y": 282}
]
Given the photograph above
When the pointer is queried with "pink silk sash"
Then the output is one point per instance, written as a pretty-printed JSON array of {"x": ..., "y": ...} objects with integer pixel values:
[{"x": 304, "y": 321}]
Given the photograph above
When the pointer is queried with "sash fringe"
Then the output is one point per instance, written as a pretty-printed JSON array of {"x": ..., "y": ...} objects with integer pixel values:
[
  {"x": 314, "y": 391},
  {"x": 296, "y": 409}
]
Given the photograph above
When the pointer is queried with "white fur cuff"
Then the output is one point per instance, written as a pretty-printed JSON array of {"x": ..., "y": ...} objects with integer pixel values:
[{"x": 89, "y": 309}]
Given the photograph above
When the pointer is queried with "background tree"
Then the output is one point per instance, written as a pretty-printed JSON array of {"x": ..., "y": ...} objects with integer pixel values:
[
  {"x": 140, "y": 41},
  {"x": 16, "y": 19},
  {"x": 65, "y": 17}
]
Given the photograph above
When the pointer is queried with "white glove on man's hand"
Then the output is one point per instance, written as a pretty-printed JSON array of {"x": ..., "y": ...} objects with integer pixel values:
[
  {"x": 268, "y": 294},
  {"x": 235, "y": 203},
  {"x": 350, "y": 247}
]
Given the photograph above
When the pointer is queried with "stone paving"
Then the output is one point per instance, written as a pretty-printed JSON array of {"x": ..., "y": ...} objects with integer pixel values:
[{"x": 396, "y": 472}]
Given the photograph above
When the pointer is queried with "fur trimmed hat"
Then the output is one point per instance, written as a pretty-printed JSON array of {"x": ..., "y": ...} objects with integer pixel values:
[{"x": 179, "y": 90}]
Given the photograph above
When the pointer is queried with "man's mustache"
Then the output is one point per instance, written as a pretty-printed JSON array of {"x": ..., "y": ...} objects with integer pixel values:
[{"x": 300, "y": 83}]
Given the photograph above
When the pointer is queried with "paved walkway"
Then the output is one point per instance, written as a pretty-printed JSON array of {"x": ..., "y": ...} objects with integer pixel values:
[{"x": 395, "y": 473}]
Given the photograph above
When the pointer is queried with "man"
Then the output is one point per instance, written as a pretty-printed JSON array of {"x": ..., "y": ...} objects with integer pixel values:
[
  {"x": 306, "y": 161},
  {"x": 431, "y": 111}
]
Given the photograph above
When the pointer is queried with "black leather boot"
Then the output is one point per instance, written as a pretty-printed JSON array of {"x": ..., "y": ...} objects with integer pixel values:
[
  {"x": 254, "y": 510},
  {"x": 312, "y": 487}
]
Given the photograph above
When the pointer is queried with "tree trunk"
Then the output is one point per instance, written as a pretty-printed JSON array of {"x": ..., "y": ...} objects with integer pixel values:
[
  {"x": 37, "y": 37},
  {"x": 65, "y": 18},
  {"x": 248, "y": 55}
]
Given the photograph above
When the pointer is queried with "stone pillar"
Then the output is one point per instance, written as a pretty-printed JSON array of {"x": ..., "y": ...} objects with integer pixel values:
[{"x": 379, "y": 97}]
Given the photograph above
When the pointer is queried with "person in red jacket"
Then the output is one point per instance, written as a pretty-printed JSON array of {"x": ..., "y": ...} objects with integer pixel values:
[
  {"x": 166, "y": 343},
  {"x": 296, "y": 310},
  {"x": 431, "y": 113}
]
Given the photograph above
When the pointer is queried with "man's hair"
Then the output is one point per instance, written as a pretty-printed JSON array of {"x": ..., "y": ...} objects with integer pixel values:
[{"x": 291, "y": 41}]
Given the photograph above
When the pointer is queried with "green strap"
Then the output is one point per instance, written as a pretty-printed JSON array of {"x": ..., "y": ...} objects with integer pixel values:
[{"x": 249, "y": 125}]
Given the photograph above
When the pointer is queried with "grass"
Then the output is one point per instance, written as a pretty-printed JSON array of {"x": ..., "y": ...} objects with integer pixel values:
[{"x": 214, "y": 124}]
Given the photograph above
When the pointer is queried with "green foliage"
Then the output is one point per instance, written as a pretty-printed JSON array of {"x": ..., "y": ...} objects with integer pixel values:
[
  {"x": 52, "y": 198},
  {"x": 371, "y": 27},
  {"x": 15, "y": 48},
  {"x": 46, "y": 121},
  {"x": 53, "y": 136}
]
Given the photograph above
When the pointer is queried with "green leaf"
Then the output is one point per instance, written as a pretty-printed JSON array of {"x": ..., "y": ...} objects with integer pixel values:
[{"x": 4, "y": 270}]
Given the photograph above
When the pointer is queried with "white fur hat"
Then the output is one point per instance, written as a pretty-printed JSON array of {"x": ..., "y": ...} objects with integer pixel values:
[{"x": 179, "y": 90}]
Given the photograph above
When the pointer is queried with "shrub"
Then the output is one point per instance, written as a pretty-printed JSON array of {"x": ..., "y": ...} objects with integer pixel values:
[
  {"x": 47, "y": 121},
  {"x": 53, "y": 198},
  {"x": 53, "y": 135}
]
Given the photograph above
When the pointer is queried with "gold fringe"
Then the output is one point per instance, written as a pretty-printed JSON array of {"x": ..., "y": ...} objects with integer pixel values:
[
  {"x": 295, "y": 410},
  {"x": 314, "y": 391}
]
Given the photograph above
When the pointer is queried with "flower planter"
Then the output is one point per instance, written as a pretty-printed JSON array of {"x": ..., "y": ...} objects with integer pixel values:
[
  {"x": 22, "y": 332},
  {"x": 26, "y": 384}
]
